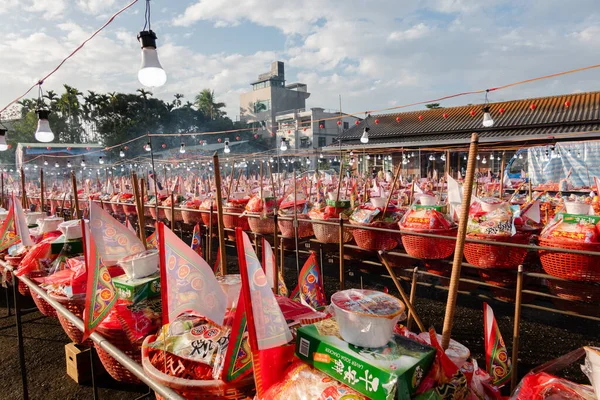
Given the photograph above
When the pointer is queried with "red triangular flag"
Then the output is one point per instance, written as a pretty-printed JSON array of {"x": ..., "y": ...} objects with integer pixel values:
[
  {"x": 498, "y": 363},
  {"x": 310, "y": 287},
  {"x": 238, "y": 358}
]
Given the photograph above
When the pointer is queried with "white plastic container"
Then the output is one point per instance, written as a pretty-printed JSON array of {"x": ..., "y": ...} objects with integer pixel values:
[
  {"x": 32, "y": 217},
  {"x": 456, "y": 352},
  {"x": 427, "y": 200},
  {"x": 378, "y": 202},
  {"x": 71, "y": 229},
  {"x": 49, "y": 224},
  {"x": 232, "y": 286},
  {"x": 366, "y": 318},
  {"x": 140, "y": 265},
  {"x": 489, "y": 206},
  {"x": 575, "y": 207}
]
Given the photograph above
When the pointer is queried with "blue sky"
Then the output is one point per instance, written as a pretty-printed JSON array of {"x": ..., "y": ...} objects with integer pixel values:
[{"x": 374, "y": 53}]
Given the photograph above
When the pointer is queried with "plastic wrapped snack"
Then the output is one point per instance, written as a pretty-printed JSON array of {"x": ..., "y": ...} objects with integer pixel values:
[
  {"x": 542, "y": 386},
  {"x": 490, "y": 216},
  {"x": 303, "y": 382},
  {"x": 425, "y": 219},
  {"x": 572, "y": 228},
  {"x": 140, "y": 319}
]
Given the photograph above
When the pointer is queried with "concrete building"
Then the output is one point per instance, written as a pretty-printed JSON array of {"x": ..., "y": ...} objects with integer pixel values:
[
  {"x": 311, "y": 128},
  {"x": 269, "y": 96}
]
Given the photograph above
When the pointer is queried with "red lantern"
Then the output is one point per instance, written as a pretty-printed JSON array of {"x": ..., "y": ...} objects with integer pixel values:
[
  {"x": 238, "y": 138},
  {"x": 420, "y": 118},
  {"x": 397, "y": 119},
  {"x": 256, "y": 136},
  {"x": 200, "y": 142},
  {"x": 68, "y": 148},
  {"x": 304, "y": 129},
  {"x": 9, "y": 146},
  {"x": 126, "y": 147},
  {"x": 445, "y": 115},
  {"x": 88, "y": 148},
  {"x": 219, "y": 140},
  {"x": 567, "y": 103},
  {"x": 532, "y": 106},
  {"x": 339, "y": 123},
  {"x": 357, "y": 122},
  {"x": 501, "y": 111},
  {"x": 289, "y": 131},
  {"x": 472, "y": 112},
  {"x": 48, "y": 148},
  {"x": 107, "y": 148},
  {"x": 377, "y": 121},
  {"x": 321, "y": 126},
  {"x": 28, "y": 147},
  {"x": 164, "y": 146},
  {"x": 272, "y": 134}
]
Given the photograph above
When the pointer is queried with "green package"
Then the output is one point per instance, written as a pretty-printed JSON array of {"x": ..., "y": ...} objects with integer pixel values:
[
  {"x": 390, "y": 372},
  {"x": 136, "y": 290}
]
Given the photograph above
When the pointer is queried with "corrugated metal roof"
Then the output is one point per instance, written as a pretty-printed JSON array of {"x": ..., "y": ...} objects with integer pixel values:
[{"x": 513, "y": 120}]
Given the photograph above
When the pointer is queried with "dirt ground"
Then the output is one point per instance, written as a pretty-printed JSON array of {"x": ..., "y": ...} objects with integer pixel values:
[{"x": 544, "y": 336}]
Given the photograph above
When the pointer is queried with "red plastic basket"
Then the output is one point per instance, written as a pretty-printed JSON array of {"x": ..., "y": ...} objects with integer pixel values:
[
  {"x": 499, "y": 278},
  {"x": 587, "y": 292},
  {"x": 161, "y": 213},
  {"x": 178, "y": 215},
  {"x": 234, "y": 221},
  {"x": 191, "y": 216},
  {"x": 575, "y": 267},
  {"x": 129, "y": 209},
  {"x": 305, "y": 229},
  {"x": 206, "y": 218},
  {"x": 330, "y": 233},
  {"x": 429, "y": 248},
  {"x": 106, "y": 206},
  {"x": 373, "y": 240},
  {"x": 75, "y": 306},
  {"x": 198, "y": 389},
  {"x": 44, "y": 307},
  {"x": 117, "y": 208},
  {"x": 492, "y": 256},
  {"x": 264, "y": 226},
  {"x": 119, "y": 339}
]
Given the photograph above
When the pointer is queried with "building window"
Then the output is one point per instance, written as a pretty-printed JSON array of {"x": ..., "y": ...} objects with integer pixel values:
[
  {"x": 346, "y": 125},
  {"x": 262, "y": 106},
  {"x": 322, "y": 141},
  {"x": 303, "y": 142}
]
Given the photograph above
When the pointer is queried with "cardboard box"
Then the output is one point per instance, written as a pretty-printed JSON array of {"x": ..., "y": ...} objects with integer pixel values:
[
  {"x": 135, "y": 290},
  {"x": 390, "y": 372},
  {"x": 78, "y": 362}
]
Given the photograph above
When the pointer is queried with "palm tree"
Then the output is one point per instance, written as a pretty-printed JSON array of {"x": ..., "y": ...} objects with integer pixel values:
[
  {"x": 144, "y": 94},
  {"x": 205, "y": 101},
  {"x": 177, "y": 102}
]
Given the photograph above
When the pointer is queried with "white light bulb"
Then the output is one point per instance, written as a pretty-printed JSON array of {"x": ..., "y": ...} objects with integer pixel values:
[
  {"x": 443, "y": 157},
  {"x": 83, "y": 163},
  {"x": 364, "y": 139},
  {"x": 484, "y": 161},
  {"x": 182, "y": 148},
  {"x": 45, "y": 162},
  {"x": 227, "y": 150},
  {"x": 101, "y": 160},
  {"x": 43, "y": 132},
  {"x": 478, "y": 157},
  {"x": 56, "y": 165},
  {"x": 148, "y": 147},
  {"x": 121, "y": 154},
  {"x": 69, "y": 165},
  {"x": 520, "y": 156},
  {"x": 487, "y": 118},
  {"x": 492, "y": 157},
  {"x": 3, "y": 145},
  {"x": 283, "y": 145},
  {"x": 151, "y": 73},
  {"x": 465, "y": 157}
]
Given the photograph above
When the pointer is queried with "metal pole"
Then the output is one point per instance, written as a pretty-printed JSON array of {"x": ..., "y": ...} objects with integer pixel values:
[
  {"x": 93, "y": 372},
  {"x": 341, "y": 251},
  {"x": 20, "y": 336},
  {"x": 460, "y": 243},
  {"x": 501, "y": 174},
  {"x": 515, "y": 343},
  {"x": 223, "y": 250}
]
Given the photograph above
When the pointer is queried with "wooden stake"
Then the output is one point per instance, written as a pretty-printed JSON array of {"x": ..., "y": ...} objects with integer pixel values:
[
  {"x": 172, "y": 211},
  {"x": 139, "y": 206},
  {"x": 223, "y": 251},
  {"x": 337, "y": 196},
  {"x": 460, "y": 242},
  {"x": 515, "y": 343},
  {"x": 413, "y": 296},
  {"x": 405, "y": 298},
  {"x": 502, "y": 167},
  {"x": 74, "y": 184},
  {"x": 231, "y": 179},
  {"x": 341, "y": 251},
  {"x": 387, "y": 202},
  {"x": 42, "y": 196},
  {"x": 23, "y": 190}
]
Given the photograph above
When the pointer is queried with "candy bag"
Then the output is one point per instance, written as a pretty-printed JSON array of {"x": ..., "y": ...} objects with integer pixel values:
[{"x": 140, "y": 319}]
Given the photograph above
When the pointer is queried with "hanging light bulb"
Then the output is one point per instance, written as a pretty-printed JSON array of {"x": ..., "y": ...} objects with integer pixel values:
[
  {"x": 148, "y": 147},
  {"x": 569, "y": 152},
  {"x": 43, "y": 132},
  {"x": 321, "y": 155},
  {"x": 308, "y": 161},
  {"x": 283, "y": 145},
  {"x": 364, "y": 139},
  {"x": 3, "y": 145},
  {"x": 45, "y": 162},
  {"x": 487, "y": 118},
  {"x": 227, "y": 150},
  {"x": 431, "y": 157},
  {"x": 465, "y": 157},
  {"x": 335, "y": 159},
  {"x": 578, "y": 155},
  {"x": 69, "y": 164},
  {"x": 122, "y": 169},
  {"x": 484, "y": 161},
  {"x": 83, "y": 163},
  {"x": 368, "y": 157},
  {"x": 412, "y": 155},
  {"x": 351, "y": 153},
  {"x": 182, "y": 148},
  {"x": 101, "y": 160},
  {"x": 56, "y": 165},
  {"x": 515, "y": 156},
  {"x": 443, "y": 157},
  {"x": 492, "y": 157},
  {"x": 121, "y": 153},
  {"x": 520, "y": 156},
  {"x": 478, "y": 157},
  {"x": 151, "y": 73}
]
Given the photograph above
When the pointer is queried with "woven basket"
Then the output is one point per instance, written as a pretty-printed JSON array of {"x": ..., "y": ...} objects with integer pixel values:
[
  {"x": 305, "y": 229},
  {"x": 42, "y": 305},
  {"x": 330, "y": 233},
  {"x": 575, "y": 267},
  {"x": 169, "y": 215},
  {"x": 161, "y": 213},
  {"x": 234, "y": 221},
  {"x": 117, "y": 208},
  {"x": 129, "y": 209},
  {"x": 106, "y": 206},
  {"x": 438, "y": 268},
  {"x": 587, "y": 292},
  {"x": 206, "y": 218},
  {"x": 147, "y": 210},
  {"x": 429, "y": 248},
  {"x": 191, "y": 216},
  {"x": 374, "y": 240},
  {"x": 492, "y": 256},
  {"x": 119, "y": 339},
  {"x": 198, "y": 389},
  {"x": 499, "y": 278},
  {"x": 76, "y": 306},
  {"x": 263, "y": 226}
]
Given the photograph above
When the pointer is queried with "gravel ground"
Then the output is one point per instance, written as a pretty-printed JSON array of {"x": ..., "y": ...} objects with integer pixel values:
[{"x": 544, "y": 336}]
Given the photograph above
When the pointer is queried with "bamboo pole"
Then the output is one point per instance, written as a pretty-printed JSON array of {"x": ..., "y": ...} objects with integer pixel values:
[
  {"x": 231, "y": 179},
  {"x": 387, "y": 202},
  {"x": 341, "y": 251},
  {"x": 223, "y": 251},
  {"x": 502, "y": 167},
  {"x": 2, "y": 183},
  {"x": 413, "y": 296},
  {"x": 296, "y": 224},
  {"x": 74, "y": 183},
  {"x": 23, "y": 190},
  {"x": 42, "y": 196},
  {"x": 139, "y": 205},
  {"x": 517, "y": 321},
  {"x": 460, "y": 242},
  {"x": 172, "y": 211},
  {"x": 337, "y": 196},
  {"x": 405, "y": 298},
  {"x": 275, "y": 233}
]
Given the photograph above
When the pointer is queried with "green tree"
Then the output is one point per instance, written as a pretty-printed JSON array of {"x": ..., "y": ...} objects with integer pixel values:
[
  {"x": 206, "y": 102},
  {"x": 432, "y": 106}
]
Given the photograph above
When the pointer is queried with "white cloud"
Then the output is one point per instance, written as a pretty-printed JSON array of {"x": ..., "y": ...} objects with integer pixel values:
[
  {"x": 95, "y": 6},
  {"x": 49, "y": 9},
  {"x": 416, "y": 32}
]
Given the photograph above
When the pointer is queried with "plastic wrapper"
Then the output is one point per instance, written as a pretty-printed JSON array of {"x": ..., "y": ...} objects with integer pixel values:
[
  {"x": 490, "y": 216},
  {"x": 591, "y": 368},
  {"x": 196, "y": 340},
  {"x": 425, "y": 219},
  {"x": 541, "y": 386},
  {"x": 257, "y": 204},
  {"x": 39, "y": 258},
  {"x": 140, "y": 319},
  {"x": 178, "y": 200},
  {"x": 571, "y": 228},
  {"x": 368, "y": 214},
  {"x": 302, "y": 382}
]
